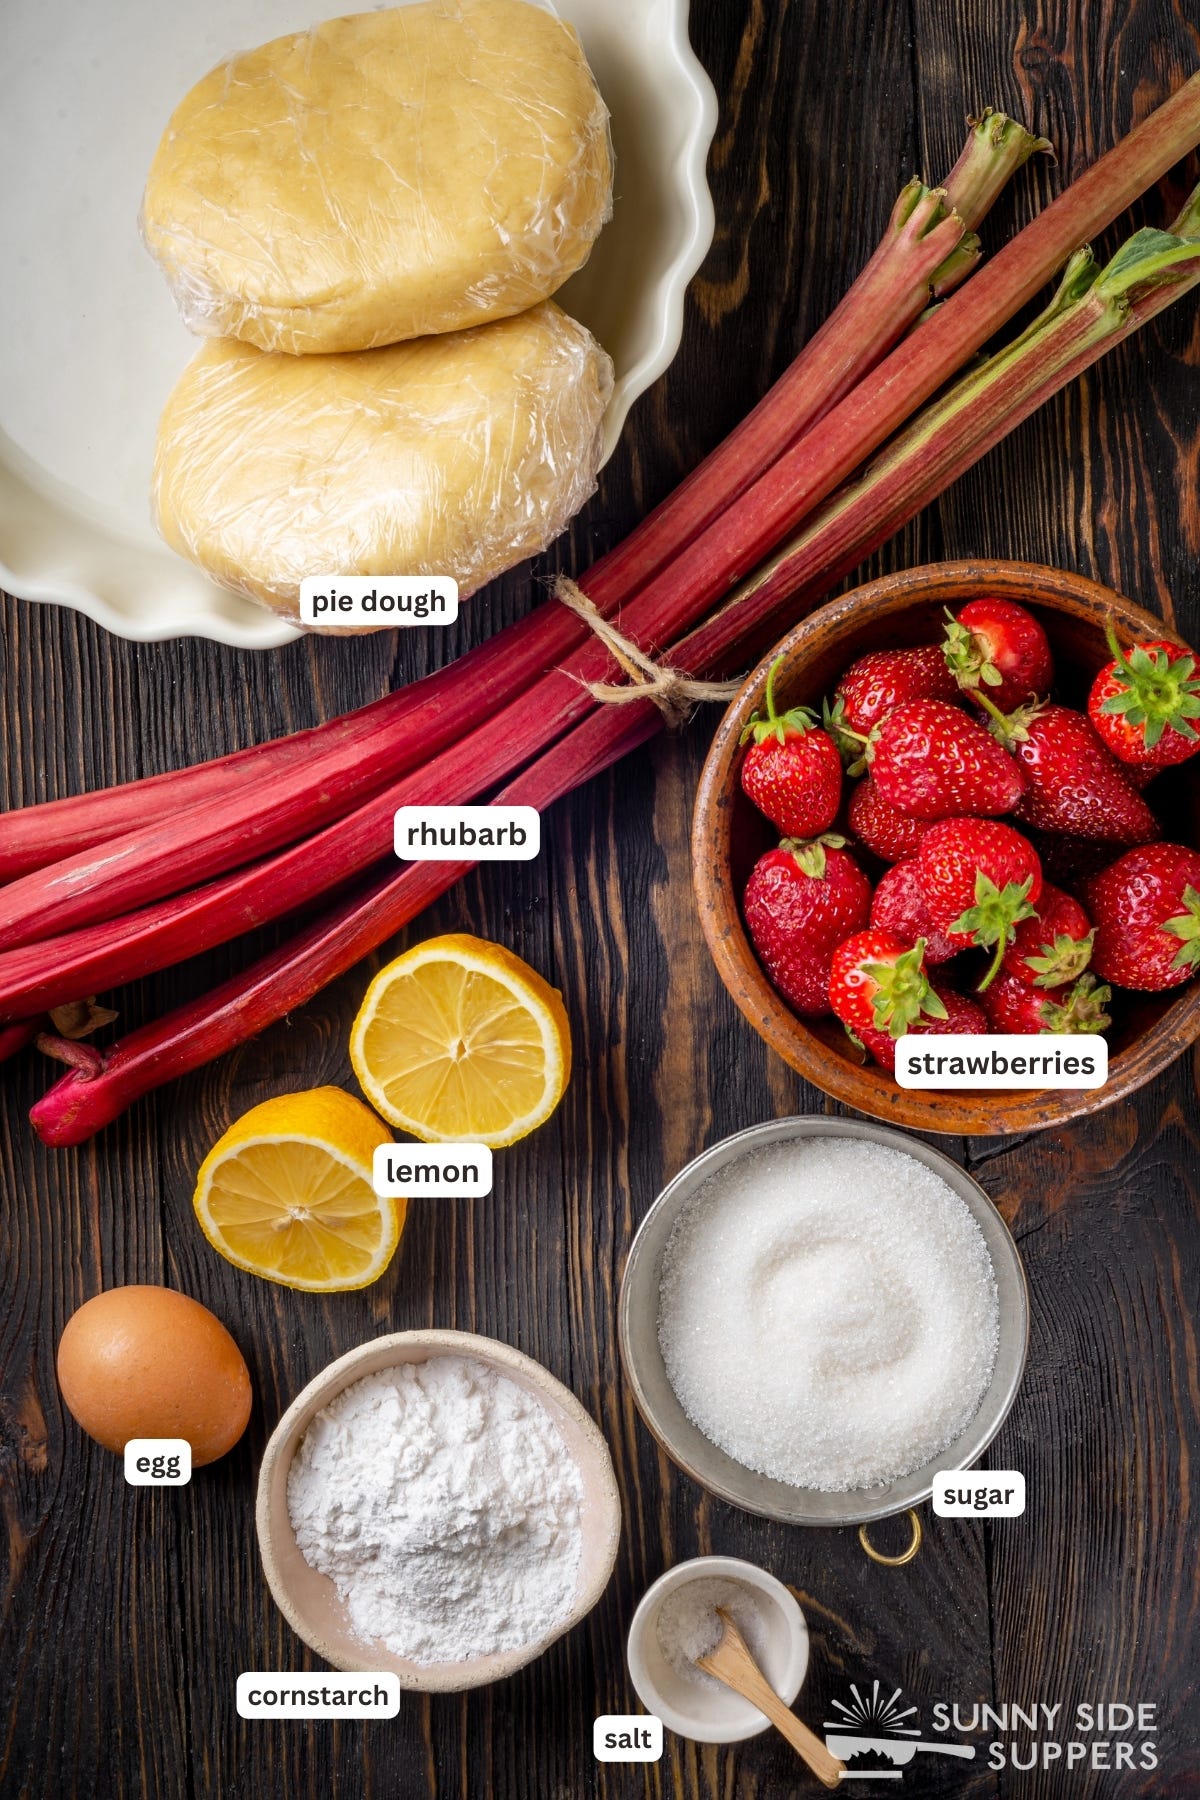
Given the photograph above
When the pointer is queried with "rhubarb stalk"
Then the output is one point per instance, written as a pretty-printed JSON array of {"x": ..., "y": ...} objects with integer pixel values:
[
  {"x": 89, "y": 1097},
  {"x": 805, "y": 475},
  {"x": 15, "y": 1037},
  {"x": 1092, "y": 311},
  {"x": 995, "y": 147}
]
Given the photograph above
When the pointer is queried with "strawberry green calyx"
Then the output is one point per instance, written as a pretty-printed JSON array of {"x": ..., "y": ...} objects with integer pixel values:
[
  {"x": 1062, "y": 961},
  {"x": 966, "y": 658},
  {"x": 1010, "y": 728},
  {"x": 902, "y": 992},
  {"x": 810, "y": 853},
  {"x": 1083, "y": 1009},
  {"x": 992, "y": 919},
  {"x": 1186, "y": 927},
  {"x": 1154, "y": 690},
  {"x": 855, "y": 748},
  {"x": 793, "y": 723}
]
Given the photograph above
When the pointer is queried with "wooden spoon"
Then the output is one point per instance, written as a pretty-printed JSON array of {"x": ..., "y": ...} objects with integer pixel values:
[{"x": 732, "y": 1663}]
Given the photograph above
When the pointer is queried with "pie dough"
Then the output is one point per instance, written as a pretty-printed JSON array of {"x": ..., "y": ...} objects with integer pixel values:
[
  {"x": 382, "y": 176},
  {"x": 456, "y": 455}
]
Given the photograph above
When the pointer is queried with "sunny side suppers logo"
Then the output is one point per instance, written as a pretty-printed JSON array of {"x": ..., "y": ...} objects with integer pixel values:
[{"x": 877, "y": 1737}]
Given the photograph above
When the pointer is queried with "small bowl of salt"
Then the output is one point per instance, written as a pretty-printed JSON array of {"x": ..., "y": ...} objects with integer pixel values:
[{"x": 677, "y": 1622}]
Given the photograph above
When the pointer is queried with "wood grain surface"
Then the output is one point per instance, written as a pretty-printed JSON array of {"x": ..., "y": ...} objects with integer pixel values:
[{"x": 127, "y": 1614}]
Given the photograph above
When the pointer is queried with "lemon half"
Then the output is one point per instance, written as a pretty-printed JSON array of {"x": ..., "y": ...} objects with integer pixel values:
[
  {"x": 460, "y": 1040},
  {"x": 287, "y": 1193}
]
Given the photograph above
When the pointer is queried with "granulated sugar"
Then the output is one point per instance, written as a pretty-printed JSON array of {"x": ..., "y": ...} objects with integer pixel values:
[
  {"x": 828, "y": 1313},
  {"x": 688, "y": 1625},
  {"x": 442, "y": 1500}
]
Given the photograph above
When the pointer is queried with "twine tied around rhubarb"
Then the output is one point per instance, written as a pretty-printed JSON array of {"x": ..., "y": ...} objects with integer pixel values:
[{"x": 675, "y": 694}]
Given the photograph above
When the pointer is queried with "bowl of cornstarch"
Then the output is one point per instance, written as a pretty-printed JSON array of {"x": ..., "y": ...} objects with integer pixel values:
[
  {"x": 436, "y": 1504},
  {"x": 817, "y": 1315}
]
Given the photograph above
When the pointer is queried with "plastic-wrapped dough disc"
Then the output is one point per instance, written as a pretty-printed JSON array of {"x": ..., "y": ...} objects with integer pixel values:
[
  {"x": 381, "y": 177},
  {"x": 454, "y": 455}
]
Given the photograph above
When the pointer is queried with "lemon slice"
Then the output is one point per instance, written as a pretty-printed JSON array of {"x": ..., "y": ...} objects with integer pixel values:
[
  {"x": 287, "y": 1193},
  {"x": 459, "y": 1040}
]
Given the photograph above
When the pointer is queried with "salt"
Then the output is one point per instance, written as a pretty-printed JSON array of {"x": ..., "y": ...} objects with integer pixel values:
[
  {"x": 688, "y": 1625},
  {"x": 828, "y": 1313}
]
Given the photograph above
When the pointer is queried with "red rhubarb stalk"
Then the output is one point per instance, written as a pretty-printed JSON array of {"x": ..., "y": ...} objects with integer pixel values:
[
  {"x": 15, "y": 1037},
  {"x": 33, "y": 836},
  {"x": 927, "y": 244},
  {"x": 995, "y": 147},
  {"x": 1091, "y": 313},
  {"x": 885, "y": 301},
  {"x": 805, "y": 475},
  {"x": 95, "y": 957},
  {"x": 87, "y": 1098}
]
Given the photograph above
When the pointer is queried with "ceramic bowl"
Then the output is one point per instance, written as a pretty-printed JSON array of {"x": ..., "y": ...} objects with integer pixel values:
[
  {"x": 1149, "y": 1030},
  {"x": 86, "y": 365},
  {"x": 309, "y": 1601},
  {"x": 717, "y": 1715},
  {"x": 695, "y": 1454}
]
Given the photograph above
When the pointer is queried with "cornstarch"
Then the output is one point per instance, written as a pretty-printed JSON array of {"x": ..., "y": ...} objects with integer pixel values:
[{"x": 441, "y": 1499}]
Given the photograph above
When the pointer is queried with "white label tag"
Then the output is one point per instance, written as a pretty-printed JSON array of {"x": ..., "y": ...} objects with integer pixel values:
[
  {"x": 627, "y": 1737},
  {"x": 455, "y": 1171},
  {"x": 158, "y": 1462},
  {"x": 317, "y": 1694},
  {"x": 978, "y": 1494},
  {"x": 370, "y": 601},
  {"x": 468, "y": 833},
  {"x": 1055, "y": 1059}
]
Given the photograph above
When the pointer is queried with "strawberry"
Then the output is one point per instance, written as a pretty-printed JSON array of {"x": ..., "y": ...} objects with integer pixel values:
[
  {"x": 931, "y": 760},
  {"x": 1146, "y": 908},
  {"x": 1012, "y": 1005},
  {"x": 961, "y": 1015},
  {"x": 882, "y": 680},
  {"x": 792, "y": 770},
  {"x": 1052, "y": 948},
  {"x": 1075, "y": 783},
  {"x": 877, "y": 982},
  {"x": 980, "y": 878},
  {"x": 997, "y": 645},
  {"x": 800, "y": 902},
  {"x": 898, "y": 905},
  {"x": 1145, "y": 702},
  {"x": 890, "y": 834}
]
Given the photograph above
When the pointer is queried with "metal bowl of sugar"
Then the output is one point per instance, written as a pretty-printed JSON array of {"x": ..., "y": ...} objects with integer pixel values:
[{"x": 713, "y": 1467}]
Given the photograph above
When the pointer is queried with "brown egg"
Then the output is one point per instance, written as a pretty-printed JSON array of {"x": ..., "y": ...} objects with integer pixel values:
[{"x": 149, "y": 1362}]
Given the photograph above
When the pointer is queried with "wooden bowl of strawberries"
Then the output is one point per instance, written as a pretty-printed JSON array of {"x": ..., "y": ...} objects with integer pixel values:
[{"x": 960, "y": 799}]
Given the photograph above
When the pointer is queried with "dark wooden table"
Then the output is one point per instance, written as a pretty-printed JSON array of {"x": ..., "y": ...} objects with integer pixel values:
[{"x": 128, "y": 1614}]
